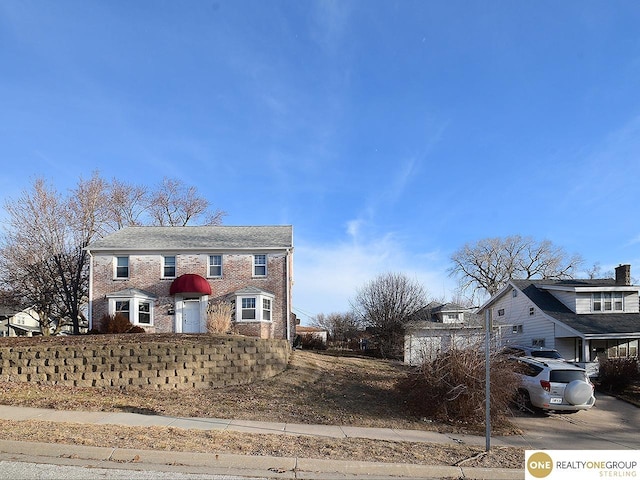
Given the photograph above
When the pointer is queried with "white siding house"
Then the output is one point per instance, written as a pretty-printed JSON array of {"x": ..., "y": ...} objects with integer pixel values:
[{"x": 583, "y": 319}]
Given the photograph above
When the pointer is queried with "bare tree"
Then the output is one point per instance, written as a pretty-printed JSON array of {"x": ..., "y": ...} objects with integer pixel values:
[
  {"x": 175, "y": 204},
  {"x": 488, "y": 264},
  {"x": 385, "y": 304},
  {"x": 128, "y": 205},
  {"x": 42, "y": 251},
  {"x": 35, "y": 227},
  {"x": 340, "y": 326}
]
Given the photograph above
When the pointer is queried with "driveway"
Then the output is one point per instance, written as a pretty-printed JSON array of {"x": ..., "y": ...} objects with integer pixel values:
[{"x": 610, "y": 425}]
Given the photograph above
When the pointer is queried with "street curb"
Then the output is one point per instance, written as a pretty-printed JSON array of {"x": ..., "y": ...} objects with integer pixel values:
[{"x": 244, "y": 465}]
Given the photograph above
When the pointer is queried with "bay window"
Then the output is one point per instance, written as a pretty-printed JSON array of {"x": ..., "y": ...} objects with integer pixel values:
[{"x": 135, "y": 305}]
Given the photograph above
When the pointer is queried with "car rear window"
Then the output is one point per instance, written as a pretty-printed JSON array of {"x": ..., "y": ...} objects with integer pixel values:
[
  {"x": 546, "y": 354},
  {"x": 525, "y": 368},
  {"x": 565, "y": 376}
]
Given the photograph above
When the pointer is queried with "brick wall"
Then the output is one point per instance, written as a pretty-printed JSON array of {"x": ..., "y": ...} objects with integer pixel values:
[
  {"x": 145, "y": 274},
  {"x": 190, "y": 361}
]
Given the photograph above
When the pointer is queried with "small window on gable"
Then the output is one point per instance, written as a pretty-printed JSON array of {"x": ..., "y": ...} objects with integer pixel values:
[
  {"x": 532, "y": 311},
  {"x": 122, "y": 267},
  {"x": 260, "y": 265},
  {"x": 169, "y": 266},
  {"x": 514, "y": 293},
  {"x": 501, "y": 312}
]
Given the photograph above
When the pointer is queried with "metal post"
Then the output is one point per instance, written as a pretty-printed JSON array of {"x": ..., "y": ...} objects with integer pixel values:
[{"x": 487, "y": 362}]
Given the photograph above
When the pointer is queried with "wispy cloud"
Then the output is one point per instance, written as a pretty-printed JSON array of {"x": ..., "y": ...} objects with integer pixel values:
[{"x": 328, "y": 276}]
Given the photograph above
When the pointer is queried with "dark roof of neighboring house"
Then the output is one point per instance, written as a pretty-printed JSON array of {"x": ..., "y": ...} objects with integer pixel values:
[
  {"x": 305, "y": 329},
  {"x": 445, "y": 307},
  {"x": 589, "y": 324},
  {"x": 201, "y": 237}
]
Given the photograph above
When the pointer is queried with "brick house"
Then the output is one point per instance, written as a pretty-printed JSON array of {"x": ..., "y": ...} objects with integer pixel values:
[{"x": 165, "y": 278}]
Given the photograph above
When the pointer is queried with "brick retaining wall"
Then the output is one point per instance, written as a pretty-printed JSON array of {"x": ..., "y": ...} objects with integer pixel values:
[{"x": 201, "y": 361}]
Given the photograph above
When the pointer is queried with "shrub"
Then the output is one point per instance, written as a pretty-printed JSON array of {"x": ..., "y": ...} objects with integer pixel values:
[
  {"x": 118, "y": 324},
  {"x": 451, "y": 388},
  {"x": 219, "y": 317},
  {"x": 311, "y": 342},
  {"x": 616, "y": 374},
  {"x": 115, "y": 324}
]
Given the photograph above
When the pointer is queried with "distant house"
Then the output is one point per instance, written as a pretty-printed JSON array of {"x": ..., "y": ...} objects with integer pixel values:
[
  {"x": 315, "y": 333},
  {"x": 585, "y": 320},
  {"x": 439, "y": 327},
  {"x": 16, "y": 322},
  {"x": 165, "y": 278}
]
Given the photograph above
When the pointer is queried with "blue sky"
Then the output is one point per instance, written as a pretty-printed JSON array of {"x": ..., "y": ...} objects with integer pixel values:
[{"x": 387, "y": 133}]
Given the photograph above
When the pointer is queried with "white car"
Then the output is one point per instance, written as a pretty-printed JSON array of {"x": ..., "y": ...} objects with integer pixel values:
[
  {"x": 552, "y": 385},
  {"x": 529, "y": 351}
]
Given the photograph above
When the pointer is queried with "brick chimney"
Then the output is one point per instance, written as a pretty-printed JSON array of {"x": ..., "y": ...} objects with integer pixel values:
[{"x": 623, "y": 275}]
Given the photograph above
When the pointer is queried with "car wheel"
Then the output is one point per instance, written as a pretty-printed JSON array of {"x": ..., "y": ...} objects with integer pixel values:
[
  {"x": 577, "y": 392},
  {"x": 522, "y": 401}
]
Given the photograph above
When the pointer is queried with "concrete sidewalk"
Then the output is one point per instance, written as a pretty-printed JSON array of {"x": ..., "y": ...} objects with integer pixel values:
[{"x": 226, "y": 464}]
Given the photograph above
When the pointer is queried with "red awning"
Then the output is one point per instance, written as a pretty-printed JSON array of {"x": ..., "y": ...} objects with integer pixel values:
[{"x": 190, "y": 283}]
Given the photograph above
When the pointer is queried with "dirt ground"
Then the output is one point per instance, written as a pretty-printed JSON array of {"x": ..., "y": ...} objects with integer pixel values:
[{"x": 315, "y": 389}]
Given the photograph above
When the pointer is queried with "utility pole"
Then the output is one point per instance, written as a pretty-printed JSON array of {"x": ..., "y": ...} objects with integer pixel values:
[{"x": 487, "y": 380}]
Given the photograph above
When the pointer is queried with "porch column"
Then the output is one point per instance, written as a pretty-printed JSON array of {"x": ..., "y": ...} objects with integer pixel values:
[{"x": 586, "y": 350}]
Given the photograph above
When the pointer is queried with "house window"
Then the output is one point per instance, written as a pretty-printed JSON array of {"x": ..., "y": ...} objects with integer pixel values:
[
  {"x": 501, "y": 312},
  {"x": 266, "y": 309},
  {"x": 607, "y": 302},
  {"x": 137, "y": 310},
  {"x": 169, "y": 267},
  {"x": 144, "y": 313},
  {"x": 532, "y": 311},
  {"x": 215, "y": 265},
  {"x": 260, "y": 265},
  {"x": 248, "y": 308},
  {"x": 516, "y": 329},
  {"x": 538, "y": 342},
  {"x": 122, "y": 267},
  {"x": 514, "y": 293},
  {"x": 255, "y": 307},
  {"x": 122, "y": 308},
  {"x": 617, "y": 301}
]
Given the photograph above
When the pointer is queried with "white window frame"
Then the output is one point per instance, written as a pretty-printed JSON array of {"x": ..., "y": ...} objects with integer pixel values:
[
  {"x": 258, "y": 307},
  {"x": 164, "y": 266},
  {"x": 248, "y": 304},
  {"x": 266, "y": 308},
  {"x": 257, "y": 265},
  {"x": 212, "y": 265},
  {"x": 607, "y": 302},
  {"x": 134, "y": 309},
  {"x": 116, "y": 266}
]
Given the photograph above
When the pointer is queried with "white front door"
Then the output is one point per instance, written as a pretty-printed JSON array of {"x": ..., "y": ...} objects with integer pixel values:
[{"x": 191, "y": 316}]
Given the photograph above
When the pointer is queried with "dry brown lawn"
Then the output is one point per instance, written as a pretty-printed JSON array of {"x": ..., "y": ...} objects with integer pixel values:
[{"x": 315, "y": 389}]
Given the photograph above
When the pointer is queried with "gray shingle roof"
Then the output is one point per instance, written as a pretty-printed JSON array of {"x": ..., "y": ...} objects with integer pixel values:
[
  {"x": 196, "y": 238},
  {"x": 588, "y": 324}
]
